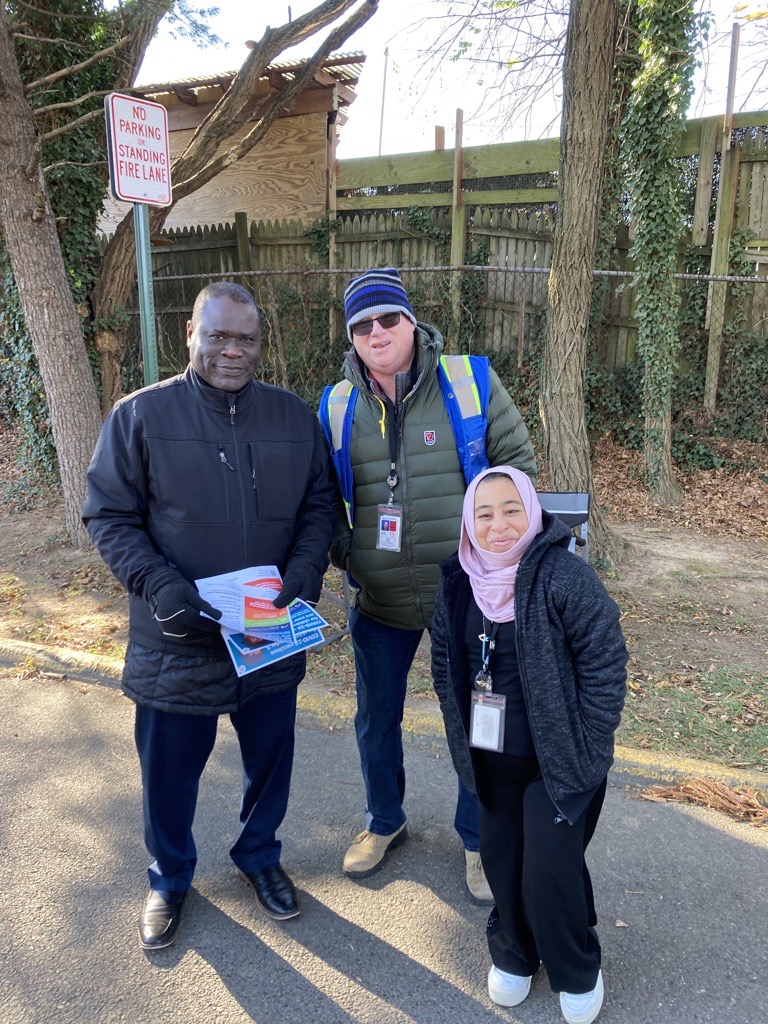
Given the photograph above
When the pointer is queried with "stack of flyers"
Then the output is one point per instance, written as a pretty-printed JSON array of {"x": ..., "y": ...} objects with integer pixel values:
[{"x": 255, "y": 632}]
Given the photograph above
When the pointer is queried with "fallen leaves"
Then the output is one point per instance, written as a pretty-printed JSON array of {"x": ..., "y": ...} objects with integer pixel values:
[
  {"x": 741, "y": 804},
  {"x": 719, "y": 501}
]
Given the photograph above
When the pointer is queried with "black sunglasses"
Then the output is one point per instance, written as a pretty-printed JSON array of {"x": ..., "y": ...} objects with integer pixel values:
[{"x": 386, "y": 320}]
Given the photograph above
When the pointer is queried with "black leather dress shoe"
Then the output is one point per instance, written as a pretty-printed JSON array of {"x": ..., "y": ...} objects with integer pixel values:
[
  {"x": 275, "y": 892},
  {"x": 160, "y": 918}
]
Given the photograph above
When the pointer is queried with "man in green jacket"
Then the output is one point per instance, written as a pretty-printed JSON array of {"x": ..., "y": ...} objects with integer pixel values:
[{"x": 408, "y": 493}]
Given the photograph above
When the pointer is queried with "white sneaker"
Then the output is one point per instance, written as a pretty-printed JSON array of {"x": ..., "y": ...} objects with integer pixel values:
[
  {"x": 477, "y": 883},
  {"x": 507, "y": 989},
  {"x": 583, "y": 1008}
]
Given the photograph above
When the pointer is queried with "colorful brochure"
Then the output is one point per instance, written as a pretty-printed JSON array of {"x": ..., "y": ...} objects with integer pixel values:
[{"x": 255, "y": 632}]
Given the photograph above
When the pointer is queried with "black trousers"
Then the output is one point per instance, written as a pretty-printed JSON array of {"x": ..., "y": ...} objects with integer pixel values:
[{"x": 545, "y": 910}]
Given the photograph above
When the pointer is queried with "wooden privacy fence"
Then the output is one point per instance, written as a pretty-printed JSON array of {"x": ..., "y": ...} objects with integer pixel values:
[
  {"x": 501, "y": 314},
  {"x": 492, "y": 207}
]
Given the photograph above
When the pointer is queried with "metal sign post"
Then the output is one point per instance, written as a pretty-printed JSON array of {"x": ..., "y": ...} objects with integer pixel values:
[
  {"x": 140, "y": 172},
  {"x": 146, "y": 293}
]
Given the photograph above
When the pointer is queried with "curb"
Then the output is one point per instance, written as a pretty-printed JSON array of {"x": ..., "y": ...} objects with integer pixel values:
[{"x": 334, "y": 712}]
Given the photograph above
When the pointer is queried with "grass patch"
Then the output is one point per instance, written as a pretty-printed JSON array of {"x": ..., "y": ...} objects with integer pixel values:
[
  {"x": 11, "y": 591},
  {"x": 720, "y": 716}
]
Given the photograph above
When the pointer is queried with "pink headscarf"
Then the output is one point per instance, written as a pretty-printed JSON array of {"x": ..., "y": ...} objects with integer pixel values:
[{"x": 492, "y": 573}]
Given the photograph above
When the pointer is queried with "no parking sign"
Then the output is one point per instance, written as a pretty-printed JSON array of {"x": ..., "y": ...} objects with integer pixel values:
[{"x": 139, "y": 153}]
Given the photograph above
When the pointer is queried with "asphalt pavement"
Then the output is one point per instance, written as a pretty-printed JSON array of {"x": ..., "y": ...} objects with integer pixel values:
[{"x": 682, "y": 892}]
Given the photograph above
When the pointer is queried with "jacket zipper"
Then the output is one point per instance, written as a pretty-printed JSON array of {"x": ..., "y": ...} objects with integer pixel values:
[
  {"x": 243, "y": 506},
  {"x": 240, "y": 476},
  {"x": 404, "y": 484},
  {"x": 559, "y": 817}
]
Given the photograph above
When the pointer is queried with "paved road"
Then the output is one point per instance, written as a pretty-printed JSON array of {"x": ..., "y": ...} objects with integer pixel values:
[{"x": 404, "y": 947}]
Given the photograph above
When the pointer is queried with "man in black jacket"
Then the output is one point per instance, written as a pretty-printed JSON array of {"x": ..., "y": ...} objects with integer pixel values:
[{"x": 207, "y": 473}]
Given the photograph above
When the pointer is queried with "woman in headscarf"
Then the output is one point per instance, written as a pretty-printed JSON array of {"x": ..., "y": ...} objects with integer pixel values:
[{"x": 529, "y": 663}]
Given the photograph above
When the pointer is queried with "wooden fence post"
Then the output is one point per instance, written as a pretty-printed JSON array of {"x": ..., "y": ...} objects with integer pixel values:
[
  {"x": 333, "y": 313},
  {"x": 707, "y": 149},
  {"x": 243, "y": 245},
  {"x": 458, "y": 228},
  {"x": 721, "y": 242}
]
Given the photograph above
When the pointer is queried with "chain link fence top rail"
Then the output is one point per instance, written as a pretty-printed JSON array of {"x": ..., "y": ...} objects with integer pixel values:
[{"x": 496, "y": 311}]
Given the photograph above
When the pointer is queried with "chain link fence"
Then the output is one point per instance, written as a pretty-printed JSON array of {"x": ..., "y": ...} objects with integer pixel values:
[{"x": 500, "y": 313}]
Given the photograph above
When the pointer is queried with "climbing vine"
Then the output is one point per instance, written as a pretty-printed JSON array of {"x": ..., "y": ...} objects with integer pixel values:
[
  {"x": 53, "y": 37},
  {"x": 668, "y": 36},
  {"x": 76, "y": 180},
  {"x": 320, "y": 233}
]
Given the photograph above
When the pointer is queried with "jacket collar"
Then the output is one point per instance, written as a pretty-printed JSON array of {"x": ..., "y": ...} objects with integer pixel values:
[{"x": 220, "y": 401}]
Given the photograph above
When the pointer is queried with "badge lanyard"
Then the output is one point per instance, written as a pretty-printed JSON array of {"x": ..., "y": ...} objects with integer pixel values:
[
  {"x": 390, "y": 516},
  {"x": 486, "y": 721}
]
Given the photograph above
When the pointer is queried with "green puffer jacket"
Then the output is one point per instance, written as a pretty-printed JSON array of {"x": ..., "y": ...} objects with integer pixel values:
[{"x": 399, "y": 588}]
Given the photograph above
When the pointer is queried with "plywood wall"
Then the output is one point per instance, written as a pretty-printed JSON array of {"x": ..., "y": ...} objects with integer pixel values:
[{"x": 283, "y": 178}]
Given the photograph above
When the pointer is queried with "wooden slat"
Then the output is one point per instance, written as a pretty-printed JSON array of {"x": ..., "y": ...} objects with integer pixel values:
[
  {"x": 502, "y": 159},
  {"x": 502, "y": 198},
  {"x": 707, "y": 144}
]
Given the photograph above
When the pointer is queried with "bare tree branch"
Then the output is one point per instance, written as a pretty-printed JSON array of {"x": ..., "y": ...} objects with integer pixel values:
[
  {"x": 44, "y": 39},
  {"x": 517, "y": 48},
  {"x": 48, "y": 136},
  {"x": 74, "y": 163},
  {"x": 64, "y": 72},
  {"x": 283, "y": 101},
  {"x": 39, "y": 111},
  {"x": 220, "y": 124}
]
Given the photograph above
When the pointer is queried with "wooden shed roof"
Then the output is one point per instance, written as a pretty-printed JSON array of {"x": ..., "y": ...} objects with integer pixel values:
[{"x": 333, "y": 88}]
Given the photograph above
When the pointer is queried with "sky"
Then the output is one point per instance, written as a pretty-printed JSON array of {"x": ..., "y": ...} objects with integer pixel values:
[{"x": 394, "y": 112}]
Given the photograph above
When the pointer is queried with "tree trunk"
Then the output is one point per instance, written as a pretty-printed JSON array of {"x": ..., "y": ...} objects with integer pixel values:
[
  {"x": 110, "y": 295},
  {"x": 207, "y": 153},
  {"x": 587, "y": 81},
  {"x": 663, "y": 487},
  {"x": 29, "y": 232}
]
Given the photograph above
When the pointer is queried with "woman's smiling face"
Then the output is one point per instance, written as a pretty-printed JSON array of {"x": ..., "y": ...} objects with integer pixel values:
[{"x": 500, "y": 516}]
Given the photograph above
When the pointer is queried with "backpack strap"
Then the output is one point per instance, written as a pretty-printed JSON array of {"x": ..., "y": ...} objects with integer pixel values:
[
  {"x": 465, "y": 382},
  {"x": 336, "y": 413}
]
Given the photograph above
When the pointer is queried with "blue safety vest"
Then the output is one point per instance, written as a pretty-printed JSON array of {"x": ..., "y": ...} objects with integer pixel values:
[{"x": 465, "y": 383}]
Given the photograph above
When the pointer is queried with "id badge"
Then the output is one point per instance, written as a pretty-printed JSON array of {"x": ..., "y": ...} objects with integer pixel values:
[
  {"x": 390, "y": 531},
  {"x": 486, "y": 721}
]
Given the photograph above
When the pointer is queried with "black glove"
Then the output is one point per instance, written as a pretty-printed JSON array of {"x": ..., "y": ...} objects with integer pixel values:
[
  {"x": 176, "y": 605},
  {"x": 305, "y": 585}
]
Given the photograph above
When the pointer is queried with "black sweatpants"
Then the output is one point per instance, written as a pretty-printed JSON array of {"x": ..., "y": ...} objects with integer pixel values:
[{"x": 545, "y": 910}]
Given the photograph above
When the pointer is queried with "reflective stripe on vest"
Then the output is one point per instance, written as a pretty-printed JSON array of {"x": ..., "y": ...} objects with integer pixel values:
[
  {"x": 458, "y": 370},
  {"x": 338, "y": 400}
]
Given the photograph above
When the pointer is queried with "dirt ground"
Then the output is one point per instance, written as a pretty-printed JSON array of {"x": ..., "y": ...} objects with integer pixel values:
[{"x": 693, "y": 591}]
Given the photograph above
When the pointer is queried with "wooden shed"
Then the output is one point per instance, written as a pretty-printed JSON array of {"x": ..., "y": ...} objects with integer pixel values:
[{"x": 288, "y": 175}]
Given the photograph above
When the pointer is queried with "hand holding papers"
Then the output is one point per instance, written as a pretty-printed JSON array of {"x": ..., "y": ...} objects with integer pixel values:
[{"x": 255, "y": 632}]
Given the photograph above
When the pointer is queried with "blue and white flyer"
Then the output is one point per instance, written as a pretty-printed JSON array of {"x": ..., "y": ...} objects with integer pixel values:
[{"x": 255, "y": 632}]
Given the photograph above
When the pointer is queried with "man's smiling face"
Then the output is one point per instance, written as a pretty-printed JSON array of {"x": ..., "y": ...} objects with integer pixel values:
[{"x": 225, "y": 343}]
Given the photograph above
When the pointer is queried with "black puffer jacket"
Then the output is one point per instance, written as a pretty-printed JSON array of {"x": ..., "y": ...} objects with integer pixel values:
[
  {"x": 207, "y": 482},
  {"x": 572, "y": 659}
]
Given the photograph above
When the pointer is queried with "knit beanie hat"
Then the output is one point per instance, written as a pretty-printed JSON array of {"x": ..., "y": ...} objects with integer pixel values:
[{"x": 373, "y": 293}]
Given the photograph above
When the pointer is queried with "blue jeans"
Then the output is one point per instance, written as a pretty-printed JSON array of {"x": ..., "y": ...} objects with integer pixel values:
[
  {"x": 383, "y": 658},
  {"x": 173, "y": 750}
]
